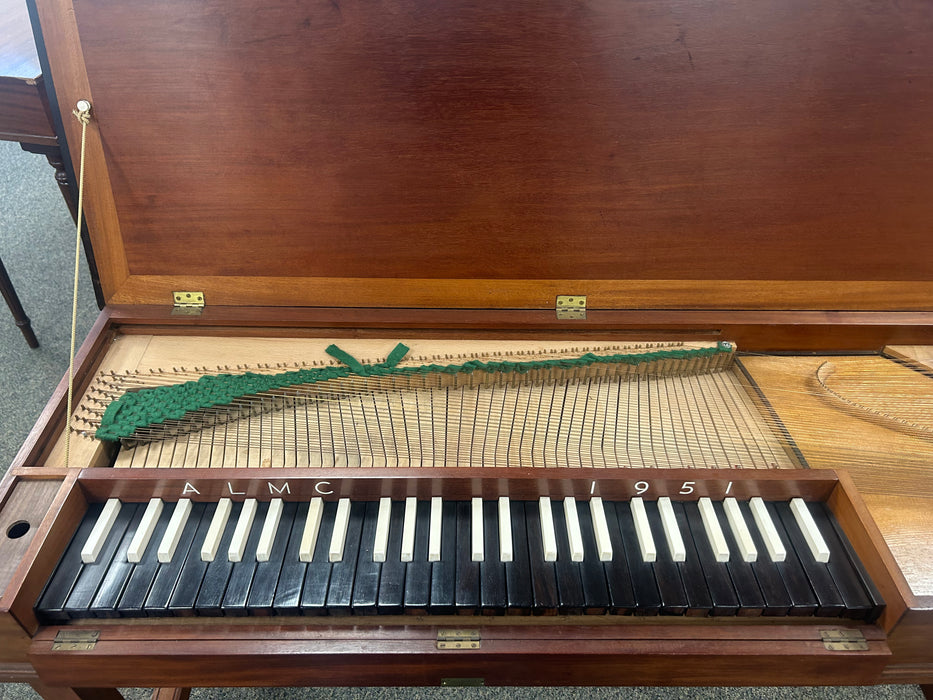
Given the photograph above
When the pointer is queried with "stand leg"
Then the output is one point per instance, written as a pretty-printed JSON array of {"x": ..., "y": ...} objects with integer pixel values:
[
  {"x": 171, "y": 693},
  {"x": 927, "y": 691},
  {"x": 22, "y": 320}
]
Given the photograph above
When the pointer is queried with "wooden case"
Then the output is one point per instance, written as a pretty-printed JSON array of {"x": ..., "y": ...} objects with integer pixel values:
[{"x": 757, "y": 172}]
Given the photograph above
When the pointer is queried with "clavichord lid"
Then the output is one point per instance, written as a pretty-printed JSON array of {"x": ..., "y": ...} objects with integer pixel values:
[{"x": 477, "y": 154}]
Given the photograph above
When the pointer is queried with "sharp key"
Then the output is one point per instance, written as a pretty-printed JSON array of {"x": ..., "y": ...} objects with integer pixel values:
[
  {"x": 311, "y": 529},
  {"x": 144, "y": 532},
  {"x": 100, "y": 531},
  {"x": 769, "y": 534},
  {"x": 476, "y": 529},
  {"x": 743, "y": 537},
  {"x": 434, "y": 536},
  {"x": 241, "y": 532},
  {"x": 675, "y": 541},
  {"x": 408, "y": 529},
  {"x": 811, "y": 532},
  {"x": 381, "y": 542},
  {"x": 600, "y": 529},
  {"x": 717, "y": 540},
  {"x": 338, "y": 539},
  {"x": 269, "y": 527},
  {"x": 216, "y": 529},
  {"x": 506, "y": 548},
  {"x": 548, "y": 536},
  {"x": 173, "y": 532},
  {"x": 646, "y": 544},
  {"x": 574, "y": 536}
]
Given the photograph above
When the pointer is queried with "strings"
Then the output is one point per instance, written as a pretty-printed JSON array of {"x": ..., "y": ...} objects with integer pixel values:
[
  {"x": 716, "y": 420},
  {"x": 687, "y": 421}
]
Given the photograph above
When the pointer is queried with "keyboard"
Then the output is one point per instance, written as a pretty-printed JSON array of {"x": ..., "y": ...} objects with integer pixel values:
[{"x": 550, "y": 555}]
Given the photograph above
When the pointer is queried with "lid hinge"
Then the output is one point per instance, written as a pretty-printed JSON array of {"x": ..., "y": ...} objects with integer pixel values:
[
  {"x": 458, "y": 639},
  {"x": 75, "y": 640},
  {"x": 843, "y": 640},
  {"x": 187, "y": 303},
  {"x": 571, "y": 307}
]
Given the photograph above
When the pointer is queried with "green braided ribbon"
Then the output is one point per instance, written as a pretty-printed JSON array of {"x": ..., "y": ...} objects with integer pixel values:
[{"x": 138, "y": 409}]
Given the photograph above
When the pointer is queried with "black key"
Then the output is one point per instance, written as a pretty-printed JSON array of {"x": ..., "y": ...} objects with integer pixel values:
[
  {"x": 444, "y": 572},
  {"x": 777, "y": 599},
  {"x": 417, "y": 574},
  {"x": 718, "y": 581},
  {"x": 666, "y": 571},
  {"x": 287, "y": 599},
  {"x": 543, "y": 575},
  {"x": 618, "y": 577},
  {"x": 317, "y": 573},
  {"x": 803, "y": 599},
  {"x": 647, "y": 596},
  {"x": 492, "y": 590},
  {"x": 85, "y": 588},
  {"x": 118, "y": 573},
  {"x": 50, "y": 607},
  {"x": 266, "y": 577},
  {"x": 214, "y": 585},
  {"x": 467, "y": 584},
  {"x": 241, "y": 575},
  {"x": 592, "y": 573},
  {"x": 366, "y": 579},
  {"x": 751, "y": 600},
  {"x": 133, "y": 600},
  {"x": 182, "y": 602},
  {"x": 519, "y": 591},
  {"x": 699, "y": 602},
  {"x": 849, "y": 573},
  {"x": 821, "y": 581},
  {"x": 163, "y": 586},
  {"x": 340, "y": 590},
  {"x": 569, "y": 585},
  {"x": 392, "y": 578}
]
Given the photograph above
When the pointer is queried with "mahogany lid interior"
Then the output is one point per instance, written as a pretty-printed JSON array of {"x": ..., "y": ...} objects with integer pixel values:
[{"x": 469, "y": 153}]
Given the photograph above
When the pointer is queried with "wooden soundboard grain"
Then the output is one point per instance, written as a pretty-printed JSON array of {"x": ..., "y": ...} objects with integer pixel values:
[{"x": 890, "y": 468}]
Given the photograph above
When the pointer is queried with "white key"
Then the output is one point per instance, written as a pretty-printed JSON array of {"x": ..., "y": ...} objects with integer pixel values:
[
  {"x": 381, "y": 544},
  {"x": 269, "y": 527},
  {"x": 173, "y": 532},
  {"x": 339, "y": 537},
  {"x": 643, "y": 530},
  {"x": 434, "y": 533},
  {"x": 311, "y": 529},
  {"x": 408, "y": 529},
  {"x": 717, "y": 540},
  {"x": 216, "y": 529},
  {"x": 241, "y": 532},
  {"x": 548, "y": 536},
  {"x": 101, "y": 529},
  {"x": 476, "y": 529},
  {"x": 769, "y": 533},
  {"x": 675, "y": 542},
  {"x": 144, "y": 532},
  {"x": 506, "y": 550},
  {"x": 574, "y": 536},
  {"x": 600, "y": 529},
  {"x": 743, "y": 538},
  {"x": 811, "y": 532}
]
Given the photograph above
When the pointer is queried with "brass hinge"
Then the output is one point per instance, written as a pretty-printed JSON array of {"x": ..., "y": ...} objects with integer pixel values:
[
  {"x": 187, "y": 303},
  {"x": 843, "y": 640},
  {"x": 571, "y": 307},
  {"x": 458, "y": 639},
  {"x": 75, "y": 640}
]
